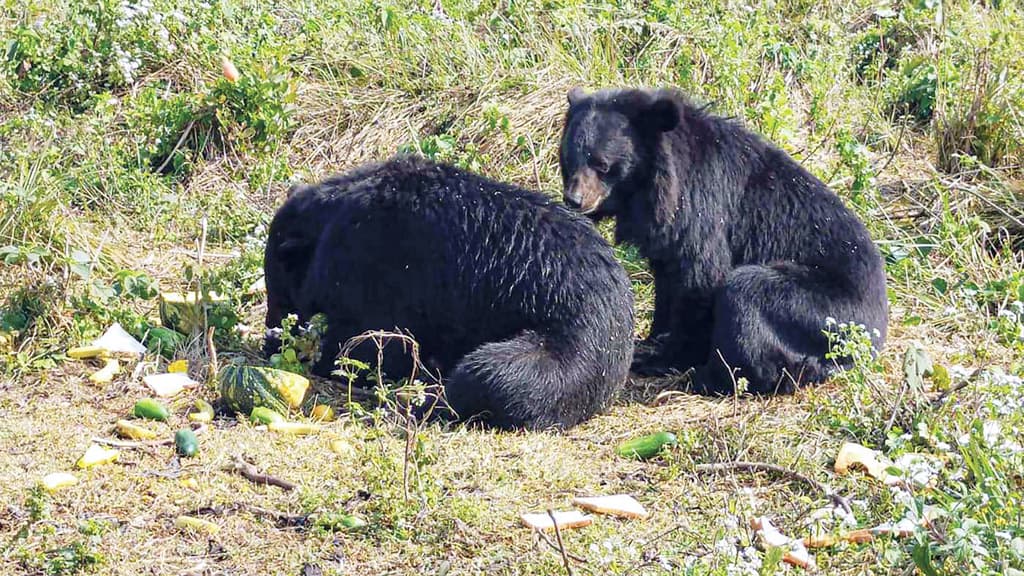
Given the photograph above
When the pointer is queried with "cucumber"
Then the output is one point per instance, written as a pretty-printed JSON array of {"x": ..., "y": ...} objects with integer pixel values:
[
  {"x": 151, "y": 409},
  {"x": 339, "y": 521},
  {"x": 646, "y": 446},
  {"x": 186, "y": 443},
  {"x": 264, "y": 415}
]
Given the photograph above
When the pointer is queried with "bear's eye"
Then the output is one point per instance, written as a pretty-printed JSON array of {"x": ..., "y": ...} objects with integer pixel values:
[{"x": 600, "y": 165}]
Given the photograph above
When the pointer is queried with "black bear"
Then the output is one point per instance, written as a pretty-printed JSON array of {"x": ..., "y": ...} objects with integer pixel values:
[
  {"x": 751, "y": 253},
  {"x": 518, "y": 301}
]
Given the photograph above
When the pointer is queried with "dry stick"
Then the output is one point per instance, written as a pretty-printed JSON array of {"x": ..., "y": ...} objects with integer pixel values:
[
  {"x": 212, "y": 351},
  {"x": 184, "y": 135},
  {"x": 896, "y": 407},
  {"x": 836, "y": 499},
  {"x": 554, "y": 546},
  {"x": 533, "y": 156},
  {"x": 558, "y": 537},
  {"x": 895, "y": 150},
  {"x": 253, "y": 475}
]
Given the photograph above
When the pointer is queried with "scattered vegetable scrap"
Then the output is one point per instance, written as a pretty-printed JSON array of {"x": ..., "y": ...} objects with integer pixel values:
[
  {"x": 178, "y": 366},
  {"x": 191, "y": 524},
  {"x": 186, "y": 443},
  {"x": 85, "y": 352},
  {"x": 151, "y": 409},
  {"x": 855, "y": 536},
  {"x": 770, "y": 537},
  {"x": 337, "y": 521},
  {"x": 244, "y": 387},
  {"x": 187, "y": 312},
  {"x": 203, "y": 412},
  {"x": 117, "y": 342},
  {"x": 127, "y": 429},
  {"x": 58, "y": 480},
  {"x": 296, "y": 428},
  {"x": 264, "y": 415},
  {"x": 855, "y": 455},
  {"x": 617, "y": 505},
  {"x": 97, "y": 455},
  {"x": 342, "y": 447},
  {"x": 646, "y": 446},
  {"x": 322, "y": 413},
  {"x": 565, "y": 519},
  {"x": 105, "y": 375},
  {"x": 170, "y": 384}
]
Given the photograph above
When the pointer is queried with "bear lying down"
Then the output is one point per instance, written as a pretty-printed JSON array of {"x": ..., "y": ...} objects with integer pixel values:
[{"x": 517, "y": 301}]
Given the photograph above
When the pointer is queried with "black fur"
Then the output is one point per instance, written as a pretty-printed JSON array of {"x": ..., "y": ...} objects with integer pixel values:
[
  {"x": 751, "y": 253},
  {"x": 517, "y": 300}
]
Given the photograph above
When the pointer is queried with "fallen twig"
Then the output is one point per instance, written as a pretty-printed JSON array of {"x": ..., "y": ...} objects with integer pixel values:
[
  {"x": 558, "y": 538},
  {"x": 836, "y": 499},
  {"x": 252, "y": 474},
  {"x": 947, "y": 393},
  {"x": 547, "y": 539},
  {"x": 177, "y": 146}
]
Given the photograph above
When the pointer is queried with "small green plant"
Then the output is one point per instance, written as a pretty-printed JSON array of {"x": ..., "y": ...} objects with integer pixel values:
[
  {"x": 445, "y": 148},
  {"x": 855, "y": 158},
  {"x": 913, "y": 90},
  {"x": 300, "y": 344},
  {"x": 855, "y": 409},
  {"x": 72, "y": 559}
]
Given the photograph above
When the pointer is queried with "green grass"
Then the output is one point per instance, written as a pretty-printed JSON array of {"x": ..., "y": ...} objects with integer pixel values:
[{"x": 123, "y": 149}]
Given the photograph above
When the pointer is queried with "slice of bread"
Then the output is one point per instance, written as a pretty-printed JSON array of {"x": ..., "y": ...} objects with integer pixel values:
[
  {"x": 618, "y": 505},
  {"x": 567, "y": 519}
]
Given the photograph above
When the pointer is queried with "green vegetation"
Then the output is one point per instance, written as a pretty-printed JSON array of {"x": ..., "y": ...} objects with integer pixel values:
[{"x": 130, "y": 164}]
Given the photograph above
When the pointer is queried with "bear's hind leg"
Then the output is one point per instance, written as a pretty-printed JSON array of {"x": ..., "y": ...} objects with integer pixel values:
[{"x": 768, "y": 328}]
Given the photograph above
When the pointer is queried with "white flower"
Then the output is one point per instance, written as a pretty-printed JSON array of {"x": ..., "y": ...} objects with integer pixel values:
[{"x": 990, "y": 431}]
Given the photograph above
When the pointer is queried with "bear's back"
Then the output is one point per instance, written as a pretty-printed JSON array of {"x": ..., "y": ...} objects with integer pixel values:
[{"x": 489, "y": 246}]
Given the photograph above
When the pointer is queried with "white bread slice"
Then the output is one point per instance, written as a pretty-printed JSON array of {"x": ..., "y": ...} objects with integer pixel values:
[
  {"x": 618, "y": 505},
  {"x": 567, "y": 519}
]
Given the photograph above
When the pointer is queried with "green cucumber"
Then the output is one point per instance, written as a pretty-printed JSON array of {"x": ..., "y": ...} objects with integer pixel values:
[
  {"x": 338, "y": 521},
  {"x": 186, "y": 443},
  {"x": 151, "y": 409},
  {"x": 264, "y": 415},
  {"x": 646, "y": 446}
]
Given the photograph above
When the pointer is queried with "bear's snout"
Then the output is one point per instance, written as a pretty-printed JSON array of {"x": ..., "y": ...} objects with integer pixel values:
[{"x": 584, "y": 191}]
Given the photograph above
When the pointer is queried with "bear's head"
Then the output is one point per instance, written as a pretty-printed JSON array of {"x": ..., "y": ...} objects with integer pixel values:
[{"x": 609, "y": 148}]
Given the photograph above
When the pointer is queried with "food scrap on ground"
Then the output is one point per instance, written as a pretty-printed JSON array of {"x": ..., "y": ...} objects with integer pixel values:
[
  {"x": 96, "y": 455},
  {"x": 622, "y": 505},
  {"x": 795, "y": 552},
  {"x": 57, "y": 480},
  {"x": 565, "y": 519},
  {"x": 169, "y": 384}
]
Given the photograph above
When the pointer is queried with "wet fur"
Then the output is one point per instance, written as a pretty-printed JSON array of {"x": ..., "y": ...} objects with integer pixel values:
[
  {"x": 750, "y": 252},
  {"x": 518, "y": 301}
]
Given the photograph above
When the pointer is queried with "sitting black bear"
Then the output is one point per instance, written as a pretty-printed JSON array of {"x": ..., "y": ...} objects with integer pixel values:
[
  {"x": 518, "y": 301},
  {"x": 751, "y": 254}
]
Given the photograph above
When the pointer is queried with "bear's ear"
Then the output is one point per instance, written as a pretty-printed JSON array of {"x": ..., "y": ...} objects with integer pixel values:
[
  {"x": 576, "y": 93},
  {"x": 661, "y": 116}
]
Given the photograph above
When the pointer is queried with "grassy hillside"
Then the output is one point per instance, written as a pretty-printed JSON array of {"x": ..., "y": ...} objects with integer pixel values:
[{"x": 129, "y": 164}]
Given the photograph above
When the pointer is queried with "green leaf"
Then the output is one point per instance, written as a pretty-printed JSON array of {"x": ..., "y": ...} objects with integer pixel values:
[
  {"x": 923, "y": 559},
  {"x": 916, "y": 365}
]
